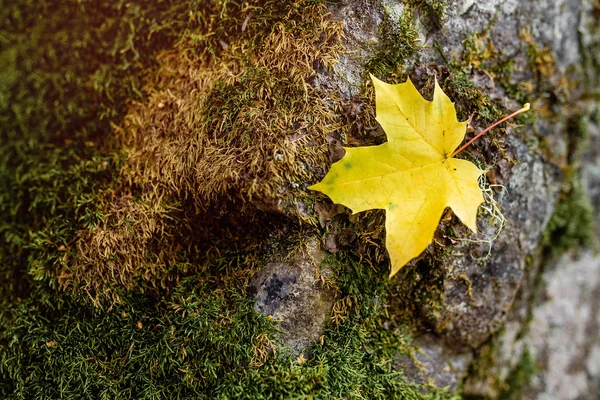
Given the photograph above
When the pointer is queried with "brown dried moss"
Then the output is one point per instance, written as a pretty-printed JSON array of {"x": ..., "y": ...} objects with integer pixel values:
[
  {"x": 243, "y": 125},
  {"x": 120, "y": 248},
  {"x": 232, "y": 126}
]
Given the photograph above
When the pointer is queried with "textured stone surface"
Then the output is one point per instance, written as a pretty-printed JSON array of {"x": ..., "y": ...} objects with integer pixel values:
[
  {"x": 471, "y": 316},
  {"x": 559, "y": 323},
  {"x": 564, "y": 335},
  {"x": 434, "y": 362},
  {"x": 528, "y": 202},
  {"x": 291, "y": 294},
  {"x": 361, "y": 19},
  {"x": 480, "y": 295}
]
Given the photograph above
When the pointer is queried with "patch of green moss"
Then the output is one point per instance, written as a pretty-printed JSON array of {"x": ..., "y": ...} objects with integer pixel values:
[
  {"x": 58, "y": 346},
  {"x": 399, "y": 37},
  {"x": 435, "y": 11},
  {"x": 399, "y": 41},
  {"x": 70, "y": 72},
  {"x": 481, "y": 369},
  {"x": 469, "y": 98},
  {"x": 418, "y": 293},
  {"x": 577, "y": 138},
  {"x": 67, "y": 73},
  {"x": 519, "y": 378},
  {"x": 484, "y": 369},
  {"x": 199, "y": 341},
  {"x": 572, "y": 223}
]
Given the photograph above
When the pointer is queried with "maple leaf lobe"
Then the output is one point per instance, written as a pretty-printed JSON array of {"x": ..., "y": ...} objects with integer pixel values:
[{"x": 412, "y": 176}]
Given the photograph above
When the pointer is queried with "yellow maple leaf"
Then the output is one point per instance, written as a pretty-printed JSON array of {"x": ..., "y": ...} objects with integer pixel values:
[{"x": 412, "y": 176}]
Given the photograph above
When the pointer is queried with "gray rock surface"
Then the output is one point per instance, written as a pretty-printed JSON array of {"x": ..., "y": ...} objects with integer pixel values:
[
  {"x": 564, "y": 336},
  {"x": 479, "y": 295},
  {"x": 291, "y": 293},
  {"x": 485, "y": 297},
  {"x": 559, "y": 324},
  {"x": 471, "y": 316},
  {"x": 434, "y": 362}
]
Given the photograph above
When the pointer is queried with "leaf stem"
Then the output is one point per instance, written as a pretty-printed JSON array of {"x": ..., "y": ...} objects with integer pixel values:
[{"x": 525, "y": 108}]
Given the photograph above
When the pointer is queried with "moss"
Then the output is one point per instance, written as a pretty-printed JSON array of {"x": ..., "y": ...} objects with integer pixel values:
[
  {"x": 577, "y": 137},
  {"x": 519, "y": 378},
  {"x": 399, "y": 42},
  {"x": 589, "y": 50},
  {"x": 245, "y": 138},
  {"x": 78, "y": 214},
  {"x": 68, "y": 71},
  {"x": 572, "y": 223},
  {"x": 252, "y": 128},
  {"x": 202, "y": 340},
  {"x": 435, "y": 11},
  {"x": 54, "y": 346},
  {"x": 470, "y": 99},
  {"x": 399, "y": 36},
  {"x": 482, "y": 368}
]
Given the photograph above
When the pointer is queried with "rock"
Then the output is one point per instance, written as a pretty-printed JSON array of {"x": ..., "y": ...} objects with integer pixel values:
[
  {"x": 478, "y": 296},
  {"x": 291, "y": 293},
  {"x": 361, "y": 19},
  {"x": 434, "y": 362},
  {"x": 563, "y": 335},
  {"x": 472, "y": 314}
]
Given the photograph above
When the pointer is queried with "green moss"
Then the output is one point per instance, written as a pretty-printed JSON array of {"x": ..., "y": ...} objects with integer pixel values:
[
  {"x": 519, "y": 378},
  {"x": 470, "y": 99},
  {"x": 435, "y": 11},
  {"x": 590, "y": 67},
  {"x": 572, "y": 223},
  {"x": 418, "y": 294},
  {"x": 66, "y": 89},
  {"x": 399, "y": 41},
  {"x": 577, "y": 138},
  {"x": 56, "y": 346},
  {"x": 68, "y": 71},
  {"x": 200, "y": 341},
  {"x": 482, "y": 368}
]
